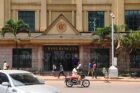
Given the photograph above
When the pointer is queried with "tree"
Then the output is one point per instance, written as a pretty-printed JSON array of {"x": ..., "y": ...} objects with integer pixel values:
[
  {"x": 15, "y": 27},
  {"x": 128, "y": 43},
  {"x": 131, "y": 41},
  {"x": 104, "y": 34}
]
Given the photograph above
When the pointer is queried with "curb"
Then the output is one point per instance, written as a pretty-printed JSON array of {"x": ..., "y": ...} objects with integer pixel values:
[{"x": 114, "y": 80}]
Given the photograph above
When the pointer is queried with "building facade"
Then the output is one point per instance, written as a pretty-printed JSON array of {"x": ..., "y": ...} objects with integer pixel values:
[{"x": 61, "y": 32}]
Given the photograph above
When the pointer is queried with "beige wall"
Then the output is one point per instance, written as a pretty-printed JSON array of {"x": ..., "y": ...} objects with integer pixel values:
[
  {"x": 6, "y": 53},
  {"x": 67, "y": 14},
  {"x": 118, "y": 10},
  {"x": 76, "y": 11}
]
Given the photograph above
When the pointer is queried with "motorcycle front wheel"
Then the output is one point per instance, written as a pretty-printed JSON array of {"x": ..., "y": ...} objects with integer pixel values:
[
  {"x": 69, "y": 83},
  {"x": 85, "y": 83}
]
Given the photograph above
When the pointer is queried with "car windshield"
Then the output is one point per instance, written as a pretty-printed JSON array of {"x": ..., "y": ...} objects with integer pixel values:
[{"x": 22, "y": 79}]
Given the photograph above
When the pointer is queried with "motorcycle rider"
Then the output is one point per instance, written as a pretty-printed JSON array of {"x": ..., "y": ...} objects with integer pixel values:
[{"x": 75, "y": 73}]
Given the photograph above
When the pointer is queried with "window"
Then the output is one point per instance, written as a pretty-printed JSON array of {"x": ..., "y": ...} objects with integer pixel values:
[
  {"x": 22, "y": 58},
  {"x": 95, "y": 20},
  {"x": 3, "y": 78},
  {"x": 132, "y": 20},
  {"x": 135, "y": 58},
  {"x": 28, "y": 17},
  {"x": 23, "y": 79}
]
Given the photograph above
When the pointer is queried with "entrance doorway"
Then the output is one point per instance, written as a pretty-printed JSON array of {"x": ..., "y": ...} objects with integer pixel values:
[
  {"x": 101, "y": 57},
  {"x": 66, "y": 55}
]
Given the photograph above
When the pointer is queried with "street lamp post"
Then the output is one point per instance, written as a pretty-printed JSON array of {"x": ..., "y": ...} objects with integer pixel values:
[
  {"x": 113, "y": 71},
  {"x": 112, "y": 35}
]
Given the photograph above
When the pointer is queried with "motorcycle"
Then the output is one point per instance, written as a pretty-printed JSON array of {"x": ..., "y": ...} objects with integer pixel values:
[{"x": 70, "y": 81}]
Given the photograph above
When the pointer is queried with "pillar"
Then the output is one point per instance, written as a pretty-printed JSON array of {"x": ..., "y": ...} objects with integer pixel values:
[
  {"x": 43, "y": 15},
  {"x": 118, "y": 10},
  {"x": 85, "y": 21},
  {"x": 79, "y": 15},
  {"x": 7, "y": 9},
  {"x": 37, "y": 24},
  {"x": 40, "y": 62}
]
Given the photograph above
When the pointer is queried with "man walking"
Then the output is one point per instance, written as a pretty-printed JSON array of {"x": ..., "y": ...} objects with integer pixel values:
[
  {"x": 95, "y": 70},
  {"x": 61, "y": 71},
  {"x": 90, "y": 70}
]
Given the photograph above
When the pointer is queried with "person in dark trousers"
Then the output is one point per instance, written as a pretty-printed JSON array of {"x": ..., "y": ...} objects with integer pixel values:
[
  {"x": 94, "y": 71},
  {"x": 61, "y": 71},
  {"x": 90, "y": 69}
]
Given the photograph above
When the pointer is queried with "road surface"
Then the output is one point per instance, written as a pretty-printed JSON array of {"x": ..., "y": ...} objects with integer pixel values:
[{"x": 99, "y": 87}]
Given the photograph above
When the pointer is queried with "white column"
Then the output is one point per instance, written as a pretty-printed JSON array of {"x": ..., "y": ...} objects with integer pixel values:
[
  {"x": 79, "y": 15},
  {"x": 43, "y": 15}
]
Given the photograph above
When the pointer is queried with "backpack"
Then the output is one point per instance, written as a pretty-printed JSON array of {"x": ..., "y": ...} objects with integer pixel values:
[{"x": 91, "y": 65}]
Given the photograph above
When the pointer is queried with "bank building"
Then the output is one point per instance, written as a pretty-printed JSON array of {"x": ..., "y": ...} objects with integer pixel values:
[{"x": 62, "y": 31}]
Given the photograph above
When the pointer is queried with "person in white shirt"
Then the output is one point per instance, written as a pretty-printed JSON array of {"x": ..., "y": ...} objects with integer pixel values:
[
  {"x": 5, "y": 65},
  {"x": 74, "y": 72}
]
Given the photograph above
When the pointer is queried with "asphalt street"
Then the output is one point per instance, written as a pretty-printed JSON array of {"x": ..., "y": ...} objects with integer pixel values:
[{"x": 99, "y": 87}]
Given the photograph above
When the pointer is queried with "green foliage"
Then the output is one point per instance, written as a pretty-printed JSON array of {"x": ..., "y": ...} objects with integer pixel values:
[
  {"x": 131, "y": 40},
  {"x": 103, "y": 32},
  {"x": 15, "y": 27}
]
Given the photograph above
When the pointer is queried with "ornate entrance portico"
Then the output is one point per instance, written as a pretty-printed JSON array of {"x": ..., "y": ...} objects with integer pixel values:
[{"x": 65, "y": 55}]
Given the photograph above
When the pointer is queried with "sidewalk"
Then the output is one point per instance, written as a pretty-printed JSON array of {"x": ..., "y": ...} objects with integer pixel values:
[{"x": 120, "y": 79}]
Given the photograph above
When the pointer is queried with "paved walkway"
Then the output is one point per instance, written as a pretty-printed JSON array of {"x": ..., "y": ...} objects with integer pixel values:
[{"x": 121, "y": 79}]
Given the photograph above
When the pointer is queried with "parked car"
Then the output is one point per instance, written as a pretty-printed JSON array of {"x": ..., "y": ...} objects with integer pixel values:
[{"x": 18, "y": 81}]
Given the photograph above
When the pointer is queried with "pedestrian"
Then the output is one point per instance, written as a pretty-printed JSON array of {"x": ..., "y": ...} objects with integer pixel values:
[
  {"x": 5, "y": 65},
  {"x": 105, "y": 73},
  {"x": 53, "y": 69},
  {"x": 94, "y": 70},
  {"x": 90, "y": 69},
  {"x": 61, "y": 71}
]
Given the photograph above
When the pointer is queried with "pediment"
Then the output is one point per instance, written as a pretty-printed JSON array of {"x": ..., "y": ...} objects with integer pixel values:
[{"x": 61, "y": 26}]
